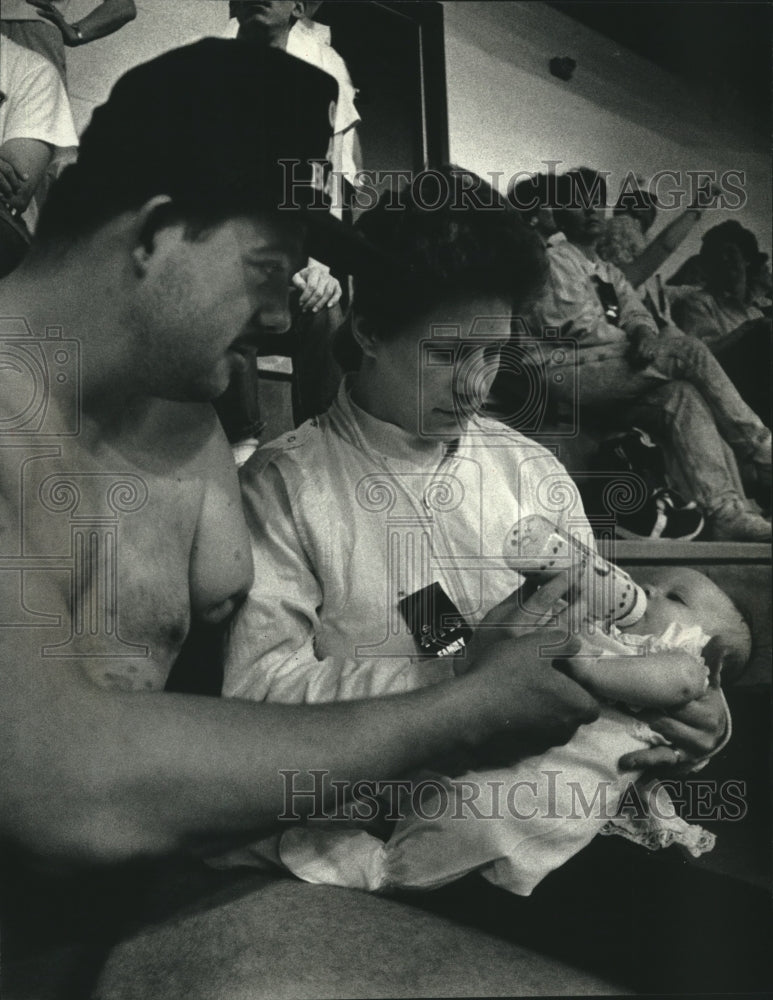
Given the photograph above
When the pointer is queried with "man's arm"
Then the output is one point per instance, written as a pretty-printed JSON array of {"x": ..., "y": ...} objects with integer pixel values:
[
  {"x": 657, "y": 252},
  {"x": 637, "y": 321},
  {"x": 633, "y": 313},
  {"x": 104, "y": 20},
  {"x": 94, "y": 776}
]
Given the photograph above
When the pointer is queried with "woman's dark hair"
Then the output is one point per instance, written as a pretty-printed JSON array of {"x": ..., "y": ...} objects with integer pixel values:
[{"x": 447, "y": 233}]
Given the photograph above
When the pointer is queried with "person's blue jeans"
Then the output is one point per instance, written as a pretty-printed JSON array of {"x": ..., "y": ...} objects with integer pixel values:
[{"x": 683, "y": 396}]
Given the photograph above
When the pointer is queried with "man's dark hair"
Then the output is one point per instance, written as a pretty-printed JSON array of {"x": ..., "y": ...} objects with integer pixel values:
[
  {"x": 530, "y": 195},
  {"x": 208, "y": 125},
  {"x": 731, "y": 231},
  {"x": 473, "y": 242}
]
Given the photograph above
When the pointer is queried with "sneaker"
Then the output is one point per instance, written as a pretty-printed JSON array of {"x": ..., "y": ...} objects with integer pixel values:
[
  {"x": 734, "y": 523},
  {"x": 665, "y": 516}
]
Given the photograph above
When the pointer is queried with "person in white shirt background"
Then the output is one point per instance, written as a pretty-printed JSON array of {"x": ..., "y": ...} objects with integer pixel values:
[
  {"x": 36, "y": 127},
  {"x": 41, "y": 25},
  {"x": 289, "y": 25}
]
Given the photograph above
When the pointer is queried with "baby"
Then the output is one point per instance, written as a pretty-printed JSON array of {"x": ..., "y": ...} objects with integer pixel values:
[{"x": 518, "y": 823}]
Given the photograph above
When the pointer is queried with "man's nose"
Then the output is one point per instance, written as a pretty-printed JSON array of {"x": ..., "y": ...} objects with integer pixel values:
[{"x": 274, "y": 317}]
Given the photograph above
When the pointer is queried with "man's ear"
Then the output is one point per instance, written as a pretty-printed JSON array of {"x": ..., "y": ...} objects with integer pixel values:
[
  {"x": 156, "y": 214},
  {"x": 365, "y": 335}
]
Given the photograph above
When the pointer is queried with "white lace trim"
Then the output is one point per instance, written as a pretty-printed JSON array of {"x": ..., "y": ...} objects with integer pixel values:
[
  {"x": 694, "y": 839},
  {"x": 660, "y": 826}
]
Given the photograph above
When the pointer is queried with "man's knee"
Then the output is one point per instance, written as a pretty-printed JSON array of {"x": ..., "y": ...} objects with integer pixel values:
[
  {"x": 677, "y": 412},
  {"x": 293, "y": 939},
  {"x": 675, "y": 396}
]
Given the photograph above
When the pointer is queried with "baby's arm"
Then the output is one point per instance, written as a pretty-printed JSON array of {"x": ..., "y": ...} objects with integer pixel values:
[{"x": 655, "y": 680}]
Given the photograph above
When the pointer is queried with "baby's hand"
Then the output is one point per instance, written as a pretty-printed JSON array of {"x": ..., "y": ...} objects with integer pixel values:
[{"x": 694, "y": 731}]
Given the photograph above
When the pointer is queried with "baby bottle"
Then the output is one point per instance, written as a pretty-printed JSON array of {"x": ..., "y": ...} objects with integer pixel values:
[{"x": 539, "y": 550}]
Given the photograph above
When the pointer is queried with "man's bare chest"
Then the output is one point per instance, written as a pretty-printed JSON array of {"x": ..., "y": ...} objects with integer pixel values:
[{"x": 95, "y": 556}]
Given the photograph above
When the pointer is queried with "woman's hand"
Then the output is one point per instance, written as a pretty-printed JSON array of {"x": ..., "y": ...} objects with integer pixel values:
[
  {"x": 694, "y": 730},
  {"x": 518, "y": 614}
]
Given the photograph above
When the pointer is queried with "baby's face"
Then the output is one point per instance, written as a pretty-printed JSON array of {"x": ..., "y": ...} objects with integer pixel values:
[{"x": 675, "y": 594}]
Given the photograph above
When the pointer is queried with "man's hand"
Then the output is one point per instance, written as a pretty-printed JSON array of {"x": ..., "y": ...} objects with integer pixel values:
[
  {"x": 11, "y": 181},
  {"x": 515, "y": 692},
  {"x": 694, "y": 730},
  {"x": 643, "y": 349},
  {"x": 47, "y": 10},
  {"x": 318, "y": 288}
]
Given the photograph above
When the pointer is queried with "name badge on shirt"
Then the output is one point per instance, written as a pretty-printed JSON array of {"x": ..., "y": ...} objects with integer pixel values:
[{"x": 435, "y": 622}]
